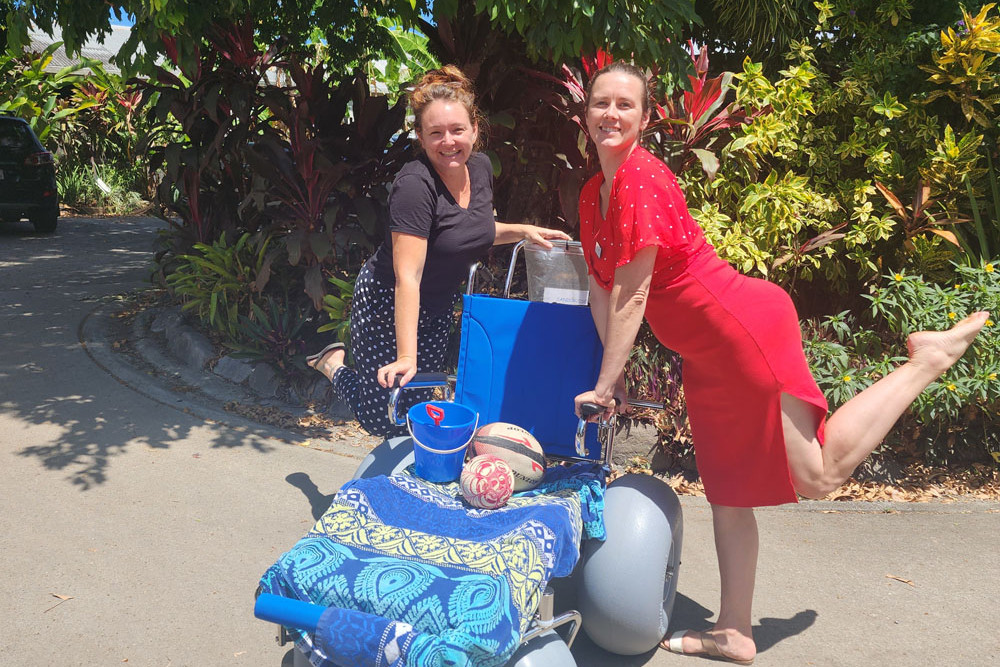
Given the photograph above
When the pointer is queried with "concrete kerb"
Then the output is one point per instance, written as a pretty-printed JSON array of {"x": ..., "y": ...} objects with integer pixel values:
[
  {"x": 153, "y": 374},
  {"x": 157, "y": 376}
]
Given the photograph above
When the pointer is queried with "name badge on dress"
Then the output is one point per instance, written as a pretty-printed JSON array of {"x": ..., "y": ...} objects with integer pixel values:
[{"x": 597, "y": 250}]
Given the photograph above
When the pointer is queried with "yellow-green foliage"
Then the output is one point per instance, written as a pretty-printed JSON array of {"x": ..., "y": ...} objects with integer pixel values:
[
  {"x": 965, "y": 67},
  {"x": 796, "y": 195}
]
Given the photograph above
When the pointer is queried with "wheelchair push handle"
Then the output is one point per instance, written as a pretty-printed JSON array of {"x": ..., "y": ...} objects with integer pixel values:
[
  {"x": 287, "y": 612},
  {"x": 587, "y": 410},
  {"x": 418, "y": 381}
]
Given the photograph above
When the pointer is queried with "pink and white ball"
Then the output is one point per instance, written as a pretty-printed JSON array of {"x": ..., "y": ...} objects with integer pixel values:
[{"x": 487, "y": 481}]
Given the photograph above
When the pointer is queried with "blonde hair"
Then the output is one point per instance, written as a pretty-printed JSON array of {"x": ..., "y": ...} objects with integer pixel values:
[{"x": 448, "y": 84}]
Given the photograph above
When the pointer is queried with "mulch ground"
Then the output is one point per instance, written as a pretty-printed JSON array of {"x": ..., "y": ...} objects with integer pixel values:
[{"x": 920, "y": 483}]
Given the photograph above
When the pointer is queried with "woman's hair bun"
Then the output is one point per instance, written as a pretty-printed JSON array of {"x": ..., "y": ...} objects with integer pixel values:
[{"x": 448, "y": 83}]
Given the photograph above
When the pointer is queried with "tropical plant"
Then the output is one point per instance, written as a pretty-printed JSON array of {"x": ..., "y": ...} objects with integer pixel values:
[
  {"x": 915, "y": 220},
  {"x": 337, "y": 307},
  {"x": 985, "y": 243},
  {"x": 691, "y": 123},
  {"x": 272, "y": 334},
  {"x": 762, "y": 30},
  {"x": 27, "y": 90},
  {"x": 207, "y": 117},
  {"x": 219, "y": 282},
  {"x": 949, "y": 421},
  {"x": 563, "y": 29},
  {"x": 965, "y": 67},
  {"x": 310, "y": 162}
]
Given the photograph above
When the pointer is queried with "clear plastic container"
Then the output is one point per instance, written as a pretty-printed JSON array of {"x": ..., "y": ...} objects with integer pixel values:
[{"x": 558, "y": 275}]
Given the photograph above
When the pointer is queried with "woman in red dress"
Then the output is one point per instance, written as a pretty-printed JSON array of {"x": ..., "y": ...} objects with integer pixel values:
[{"x": 758, "y": 418}]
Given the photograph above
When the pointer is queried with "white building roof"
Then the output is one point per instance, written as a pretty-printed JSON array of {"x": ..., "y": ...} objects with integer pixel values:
[{"x": 105, "y": 50}]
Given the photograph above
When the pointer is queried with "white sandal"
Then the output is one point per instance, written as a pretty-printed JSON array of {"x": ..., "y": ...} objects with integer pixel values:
[{"x": 709, "y": 649}]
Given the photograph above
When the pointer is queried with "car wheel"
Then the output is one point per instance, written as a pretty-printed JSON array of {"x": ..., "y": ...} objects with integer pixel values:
[{"x": 45, "y": 223}]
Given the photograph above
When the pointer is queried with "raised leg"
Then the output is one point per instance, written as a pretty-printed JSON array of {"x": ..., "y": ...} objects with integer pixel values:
[{"x": 859, "y": 426}]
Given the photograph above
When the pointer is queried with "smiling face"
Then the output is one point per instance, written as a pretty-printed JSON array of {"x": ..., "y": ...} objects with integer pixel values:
[
  {"x": 615, "y": 116},
  {"x": 447, "y": 135}
]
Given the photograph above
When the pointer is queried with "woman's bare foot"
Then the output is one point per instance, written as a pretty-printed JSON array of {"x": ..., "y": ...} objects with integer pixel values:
[
  {"x": 329, "y": 362},
  {"x": 939, "y": 350}
]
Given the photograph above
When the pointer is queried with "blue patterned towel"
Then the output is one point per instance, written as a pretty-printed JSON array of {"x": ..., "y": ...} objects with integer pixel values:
[{"x": 415, "y": 576}]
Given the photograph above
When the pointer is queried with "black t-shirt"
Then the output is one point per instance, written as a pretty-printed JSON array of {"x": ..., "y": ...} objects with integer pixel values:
[{"x": 420, "y": 204}]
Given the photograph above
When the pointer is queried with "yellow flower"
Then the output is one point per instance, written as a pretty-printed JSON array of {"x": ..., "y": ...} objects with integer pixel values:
[
  {"x": 846, "y": 378},
  {"x": 992, "y": 376},
  {"x": 952, "y": 316},
  {"x": 958, "y": 287},
  {"x": 989, "y": 323},
  {"x": 952, "y": 387},
  {"x": 897, "y": 277},
  {"x": 989, "y": 268}
]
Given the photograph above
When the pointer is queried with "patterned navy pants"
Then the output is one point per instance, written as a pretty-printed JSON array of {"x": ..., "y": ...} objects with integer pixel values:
[{"x": 373, "y": 344}]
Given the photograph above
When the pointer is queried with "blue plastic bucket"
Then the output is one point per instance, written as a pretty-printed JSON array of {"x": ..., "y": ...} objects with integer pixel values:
[{"x": 441, "y": 431}]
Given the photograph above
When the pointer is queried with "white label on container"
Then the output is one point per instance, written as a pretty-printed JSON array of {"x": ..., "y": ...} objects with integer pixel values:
[{"x": 573, "y": 297}]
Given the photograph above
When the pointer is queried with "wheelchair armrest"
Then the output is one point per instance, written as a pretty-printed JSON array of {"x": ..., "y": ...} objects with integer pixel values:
[{"x": 418, "y": 381}]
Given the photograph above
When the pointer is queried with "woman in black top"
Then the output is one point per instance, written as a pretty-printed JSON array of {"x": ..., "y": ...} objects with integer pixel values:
[{"x": 440, "y": 222}]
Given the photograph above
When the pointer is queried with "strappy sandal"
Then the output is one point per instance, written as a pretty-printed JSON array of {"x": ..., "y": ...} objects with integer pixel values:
[
  {"x": 322, "y": 353},
  {"x": 709, "y": 649}
]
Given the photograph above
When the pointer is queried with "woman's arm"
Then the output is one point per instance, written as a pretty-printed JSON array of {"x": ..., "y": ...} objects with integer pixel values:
[
  {"x": 618, "y": 315},
  {"x": 511, "y": 233},
  {"x": 600, "y": 300},
  {"x": 408, "y": 255}
]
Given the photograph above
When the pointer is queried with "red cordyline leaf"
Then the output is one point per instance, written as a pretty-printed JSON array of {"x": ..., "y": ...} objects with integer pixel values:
[
  {"x": 704, "y": 95},
  {"x": 592, "y": 65},
  {"x": 700, "y": 61},
  {"x": 130, "y": 99},
  {"x": 234, "y": 41},
  {"x": 170, "y": 46}
]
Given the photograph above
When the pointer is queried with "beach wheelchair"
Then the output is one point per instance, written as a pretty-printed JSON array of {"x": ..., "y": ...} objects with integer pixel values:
[{"x": 401, "y": 571}]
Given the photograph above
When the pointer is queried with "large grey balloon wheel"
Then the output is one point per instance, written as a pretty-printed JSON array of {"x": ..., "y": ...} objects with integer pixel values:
[
  {"x": 628, "y": 582},
  {"x": 388, "y": 458},
  {"x": 546, "y": 650}
]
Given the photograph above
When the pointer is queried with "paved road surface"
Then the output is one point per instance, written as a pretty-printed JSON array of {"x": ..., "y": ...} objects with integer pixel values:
[{"x": 153, "y": 513}]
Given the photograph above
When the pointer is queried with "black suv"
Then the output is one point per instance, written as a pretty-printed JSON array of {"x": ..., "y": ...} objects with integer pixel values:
[{"x": 27, "y": 177}]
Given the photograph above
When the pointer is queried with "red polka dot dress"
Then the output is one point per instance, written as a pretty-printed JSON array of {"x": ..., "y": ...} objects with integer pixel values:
[{"x": 739, "y": 337}]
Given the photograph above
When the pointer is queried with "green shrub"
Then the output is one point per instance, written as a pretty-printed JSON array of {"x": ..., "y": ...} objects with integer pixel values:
[
  {"x": 273, "y": 334},
  {"x": 337, "y": 307},
  {"x": 954, "y": 414},
  {"x": 219, "y": 282}
]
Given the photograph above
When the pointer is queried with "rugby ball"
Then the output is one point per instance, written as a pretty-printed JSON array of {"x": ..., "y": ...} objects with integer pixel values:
[
  {"x": 517, "y": 447},
  {"x": 486, "y": 482}
]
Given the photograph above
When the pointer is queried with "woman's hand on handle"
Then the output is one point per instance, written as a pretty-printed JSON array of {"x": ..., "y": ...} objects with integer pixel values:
[
  {"x": 404, "y": 368},
  {"x": 512, "y": 233},
  {"x": 605, "y": 400},
  {"x": 541, "y": 235}
]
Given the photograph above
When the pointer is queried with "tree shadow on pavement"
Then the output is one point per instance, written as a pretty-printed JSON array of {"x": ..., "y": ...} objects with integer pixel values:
[
  {"x": 91, "y": 432},
  {"x": 73, "y": 416}
]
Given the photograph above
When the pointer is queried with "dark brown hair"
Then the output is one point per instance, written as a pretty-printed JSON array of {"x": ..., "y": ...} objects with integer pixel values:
[
  {"x": 623, "y": 67},
  {"x": 448, "y": 84}
]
